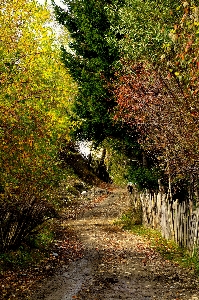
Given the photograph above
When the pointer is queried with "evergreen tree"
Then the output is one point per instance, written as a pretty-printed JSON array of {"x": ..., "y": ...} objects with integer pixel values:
[{"x": 92, "y": 60}]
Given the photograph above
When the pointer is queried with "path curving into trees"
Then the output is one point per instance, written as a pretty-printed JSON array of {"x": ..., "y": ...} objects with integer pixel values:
[{"x": 116, "y": 264}]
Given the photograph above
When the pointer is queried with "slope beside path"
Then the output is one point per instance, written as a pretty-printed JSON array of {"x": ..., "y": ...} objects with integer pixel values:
[{"x": 115, "y": 264}]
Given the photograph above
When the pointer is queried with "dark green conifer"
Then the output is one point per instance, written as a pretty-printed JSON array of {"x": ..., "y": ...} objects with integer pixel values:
[{"x": 92, "y": 60}]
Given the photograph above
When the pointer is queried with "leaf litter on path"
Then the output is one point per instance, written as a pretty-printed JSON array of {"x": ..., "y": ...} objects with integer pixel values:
[
  {"x": 117, "y": 264},
  {"x": 106, "y": 262}
]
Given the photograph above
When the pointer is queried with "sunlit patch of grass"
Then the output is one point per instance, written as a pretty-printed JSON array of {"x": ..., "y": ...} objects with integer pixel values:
[
  {"x": 167, "y": 248},
  {"x": 129, "y": 219}
]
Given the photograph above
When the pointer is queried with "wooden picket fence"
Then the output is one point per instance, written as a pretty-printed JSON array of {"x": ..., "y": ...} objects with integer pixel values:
[{"x": 175, "y": 220}]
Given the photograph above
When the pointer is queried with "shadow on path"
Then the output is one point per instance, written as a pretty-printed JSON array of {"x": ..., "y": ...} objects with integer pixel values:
[{"x": 116, "y": 264}]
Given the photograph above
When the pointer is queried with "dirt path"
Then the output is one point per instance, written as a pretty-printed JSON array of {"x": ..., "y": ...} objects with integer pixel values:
[{"x": 116, "y": 264}]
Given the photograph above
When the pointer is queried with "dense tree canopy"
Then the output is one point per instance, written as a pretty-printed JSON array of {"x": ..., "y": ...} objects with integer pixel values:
[
  {"x": 157, "y": 87},
  {"x": 128, "y": 45},
  {"x": 147, "y": 51},
  {"x": 35, "y": 96}
]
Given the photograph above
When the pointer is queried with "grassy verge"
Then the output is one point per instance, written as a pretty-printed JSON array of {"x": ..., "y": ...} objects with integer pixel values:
[{"x": 167, "y": 248}]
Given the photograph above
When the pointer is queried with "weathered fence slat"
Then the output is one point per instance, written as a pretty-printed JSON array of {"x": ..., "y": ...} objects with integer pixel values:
[{"x": 176, "y": 221}]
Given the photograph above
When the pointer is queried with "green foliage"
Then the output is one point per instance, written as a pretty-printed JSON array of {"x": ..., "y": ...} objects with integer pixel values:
[
  {"x": 120, "y": 153},
  {"x": 193, "y": 260},
  {"x": 131, "y": 218},
  {"x": 144, "y": 178},
  {"x": 145, "y": 26},
  {"x": 167, "y": 248},
  {"x": 43, "y": 239},
  {"x": 33, "y": 251},
  {"x": 92, "y": 60},
  {"x": 17, "y": 258},
  {"x": 116, "y": 160}
]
